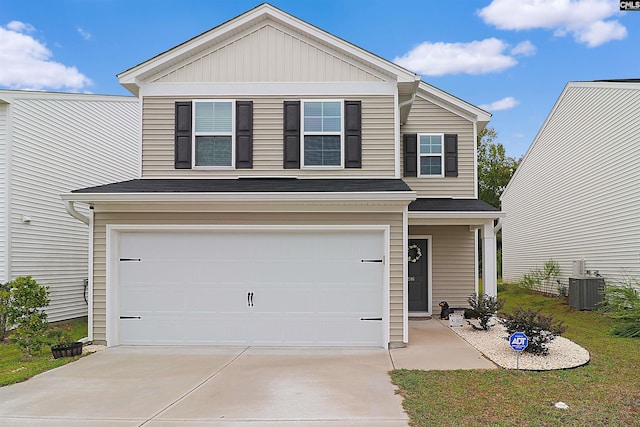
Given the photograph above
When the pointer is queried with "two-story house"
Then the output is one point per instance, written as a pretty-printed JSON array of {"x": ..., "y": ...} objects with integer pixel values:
[{"x": 296, "y": 190}]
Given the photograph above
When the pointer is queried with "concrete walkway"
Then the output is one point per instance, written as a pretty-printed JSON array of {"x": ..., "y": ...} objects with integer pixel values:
[
  {"x": 233, "y": 386},
  {"x": 433, "y": 346}
]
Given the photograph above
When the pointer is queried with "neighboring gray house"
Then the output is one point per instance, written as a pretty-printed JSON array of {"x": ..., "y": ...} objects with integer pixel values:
[
  {"x": 51, "y": 143},
  {"x": 576, "y": 194}
]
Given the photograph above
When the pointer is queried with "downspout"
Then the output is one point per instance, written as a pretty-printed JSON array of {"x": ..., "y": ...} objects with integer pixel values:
[
  {"x": 408, "y": 101},
  {"x": 71, "y": 210},
  {"x": 498, "y": 226}
]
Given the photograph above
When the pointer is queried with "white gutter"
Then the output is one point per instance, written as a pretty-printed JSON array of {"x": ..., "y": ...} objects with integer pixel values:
[
  {"x": 69, "y": 198},
  {"x": 71, "y": 210}
]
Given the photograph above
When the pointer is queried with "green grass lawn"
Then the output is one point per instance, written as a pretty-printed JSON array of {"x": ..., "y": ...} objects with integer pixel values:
[
  {"x": 606, "y": 392},
  {"x": 13, "y": 369}
]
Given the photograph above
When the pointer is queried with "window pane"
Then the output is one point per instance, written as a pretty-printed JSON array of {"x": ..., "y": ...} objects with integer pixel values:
[
  {"x": 213, "y": 116},
  {"x": 213, "y": 151},
  {"x": 430, "y": 144},
  {"x": 322, "y": 150},
  {"x": 431, "y": 165},
  {"x": 322, "y": 116}
]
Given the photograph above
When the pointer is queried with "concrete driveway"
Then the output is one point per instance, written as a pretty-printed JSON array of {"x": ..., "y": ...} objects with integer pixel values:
[{"x": 212, "y": 386}]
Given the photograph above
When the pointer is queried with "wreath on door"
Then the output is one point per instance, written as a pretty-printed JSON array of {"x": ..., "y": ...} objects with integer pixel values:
[{"x": 415, "y": 253}]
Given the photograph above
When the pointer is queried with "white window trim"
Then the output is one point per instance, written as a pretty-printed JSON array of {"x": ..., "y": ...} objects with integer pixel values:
[
  {"x": 196, "y": 134},
  {"x": 441, "y": 155},
  {"x": 304, "y": 133}
]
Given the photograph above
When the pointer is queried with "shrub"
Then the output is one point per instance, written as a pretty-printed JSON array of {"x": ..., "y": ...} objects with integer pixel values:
[
  {"x": 622, "y": 302},
  {"x": 4, "y": 307},
  {"x": 540, "y": 330},
  {"x": 542, "y": 279},
  {"x": 485, "y": 307},
  {"x": 25, "y": 312}
]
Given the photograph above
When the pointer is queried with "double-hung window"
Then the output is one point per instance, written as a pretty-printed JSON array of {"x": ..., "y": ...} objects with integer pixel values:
[
  {"x": 322, "y": 133},
  {"x": 431, "y": 155},
  {"x": 214, "y": 133}
]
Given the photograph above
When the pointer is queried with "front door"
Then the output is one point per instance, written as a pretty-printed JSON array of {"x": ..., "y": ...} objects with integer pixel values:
[{"x": 418, "y": 275}]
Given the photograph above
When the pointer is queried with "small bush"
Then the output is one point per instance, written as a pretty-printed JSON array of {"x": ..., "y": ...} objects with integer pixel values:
[
  {"x": 540, "y": 330},
  {"x": 484, "y": 307},
  {"x": 622, "y": 302},
  {"x": 25, "y": 312}
]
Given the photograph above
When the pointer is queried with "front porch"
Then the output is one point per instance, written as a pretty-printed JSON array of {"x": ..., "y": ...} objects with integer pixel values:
[{"x": 442, "y": 253}]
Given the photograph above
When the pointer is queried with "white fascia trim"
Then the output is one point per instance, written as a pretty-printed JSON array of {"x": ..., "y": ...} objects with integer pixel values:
[
  {"x": 457, "y": 215},
  {"x": 239, "y": 197},
  {"x": 282, "y": 89}
]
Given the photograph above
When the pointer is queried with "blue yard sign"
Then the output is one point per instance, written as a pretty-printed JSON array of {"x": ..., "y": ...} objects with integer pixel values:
[{"x": 518, "y": 341}]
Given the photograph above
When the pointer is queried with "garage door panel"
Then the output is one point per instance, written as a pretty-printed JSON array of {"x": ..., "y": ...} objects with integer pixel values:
[{"x": 259, "y": 288}]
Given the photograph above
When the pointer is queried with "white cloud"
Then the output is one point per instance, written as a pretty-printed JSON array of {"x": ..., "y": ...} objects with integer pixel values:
[
  {"x": 85, "y": 34},
  {"x": 502, "y": 104},
  {"x": 20, "y": 27},
  {"x": 525, "y": 48},
  {"x": 476, "y": 57},
  {"x": 584, "y": 19},
  {"x": 27, "y": 63}
]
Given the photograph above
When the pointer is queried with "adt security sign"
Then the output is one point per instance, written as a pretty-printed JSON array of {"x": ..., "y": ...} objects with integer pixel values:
[{"x": 518, "y": 341}]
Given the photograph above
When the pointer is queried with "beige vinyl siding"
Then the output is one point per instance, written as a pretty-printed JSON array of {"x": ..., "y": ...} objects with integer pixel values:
[
  {"x": 576, "y": 195},
  {"x": 427, "y": 117},
  {"x": 453, "y": 263},
  {"x": 4, "y": 210},
  {"x": 61, "y": 143},
  {"x": 267, "y": 54},
  {"x": 377, "y": 140},
  {"x": 243, "y": 218}
]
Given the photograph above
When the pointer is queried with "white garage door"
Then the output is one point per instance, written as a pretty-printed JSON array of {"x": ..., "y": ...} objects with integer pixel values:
[{"x": 310, "y": 287}]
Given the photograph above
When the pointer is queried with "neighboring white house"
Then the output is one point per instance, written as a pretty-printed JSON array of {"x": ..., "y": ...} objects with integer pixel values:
[
  {"x": 51, "y": 143},
  {"x": 576, "y": 194}
]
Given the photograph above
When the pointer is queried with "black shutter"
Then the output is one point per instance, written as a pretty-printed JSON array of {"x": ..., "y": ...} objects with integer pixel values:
[
  {"x": 244, "y": 134},
  {"x": 182, "y": 150},
  {"x": 451, "y": 155},
  {"x": 353, "y": 134},
  {"x": 291, "y": 135},
  {"x": 410, "y": 154}
]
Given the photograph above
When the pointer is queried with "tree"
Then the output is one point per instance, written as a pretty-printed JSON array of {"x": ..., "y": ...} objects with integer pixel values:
[{"x": 495, "y": 168}]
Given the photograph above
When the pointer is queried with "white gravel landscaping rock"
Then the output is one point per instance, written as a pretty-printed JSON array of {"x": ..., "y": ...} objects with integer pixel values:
[{"x": 494, "y": 344}]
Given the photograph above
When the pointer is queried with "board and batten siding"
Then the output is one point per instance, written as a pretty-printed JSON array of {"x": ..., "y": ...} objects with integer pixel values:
[
  {"x": 452, "y": 262},
  {"x": 576, "y": 195},
  {"x": 378, "y": 140},
  {"x": 271, "y": 53},
  {"x": 4, "y": 211},
  {"x": 427, "y": 117},
  {"x": 61, "y": 143},
  {"x": 394, "y": 220}
]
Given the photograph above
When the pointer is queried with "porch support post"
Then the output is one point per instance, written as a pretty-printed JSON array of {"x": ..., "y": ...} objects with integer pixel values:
[{"x": 489, "y": 271}]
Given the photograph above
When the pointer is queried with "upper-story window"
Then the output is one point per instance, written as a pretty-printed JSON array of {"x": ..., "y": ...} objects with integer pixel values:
[
  {"x": 322, "y": 133},
  {"x": 214, "y": 130},
  {"x": 431, "y": 155}
]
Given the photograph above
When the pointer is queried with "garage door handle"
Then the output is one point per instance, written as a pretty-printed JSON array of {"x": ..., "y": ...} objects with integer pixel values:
[
  {"x": 371, "y": 318},
  {"x": 250, "y": 299}
]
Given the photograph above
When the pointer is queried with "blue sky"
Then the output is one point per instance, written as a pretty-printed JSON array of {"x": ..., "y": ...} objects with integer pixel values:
[{"x": 511, "y": 57}]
